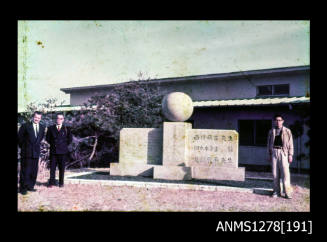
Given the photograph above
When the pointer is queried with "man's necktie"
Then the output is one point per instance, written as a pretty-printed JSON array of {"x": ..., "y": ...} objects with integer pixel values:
[{"x": 36, "y": 131}]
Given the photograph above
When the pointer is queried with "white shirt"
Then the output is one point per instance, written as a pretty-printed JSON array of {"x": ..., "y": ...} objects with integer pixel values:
[
  {"x": 36, "y": 128},
  {"x": 58, "y": 126}
]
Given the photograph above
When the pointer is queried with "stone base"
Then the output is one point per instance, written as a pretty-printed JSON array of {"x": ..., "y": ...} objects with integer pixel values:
[
  {"x": 117, "y": 169},
  {"x": 218, "y": 173},
  {"x": 172, "y": 172},
  {"x": 174, "y": 143}
]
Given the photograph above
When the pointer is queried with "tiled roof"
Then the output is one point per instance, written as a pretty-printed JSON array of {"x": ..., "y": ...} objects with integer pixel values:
[{"x": 252, "y": 101}]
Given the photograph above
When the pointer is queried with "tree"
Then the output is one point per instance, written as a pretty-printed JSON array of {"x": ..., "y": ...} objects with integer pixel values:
[
  {"x": 132, "y": 105},
  {"x": 47, "y": 109},
  {"x": 303, "y": 111},
  {"x": 297, "y": 132}
]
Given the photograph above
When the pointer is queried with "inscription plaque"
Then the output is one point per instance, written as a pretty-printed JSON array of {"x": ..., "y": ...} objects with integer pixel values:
[{"x": 218, "y": 148}]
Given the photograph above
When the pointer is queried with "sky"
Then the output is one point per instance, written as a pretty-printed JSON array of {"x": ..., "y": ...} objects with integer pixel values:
[{"x": 64, "y": 54}]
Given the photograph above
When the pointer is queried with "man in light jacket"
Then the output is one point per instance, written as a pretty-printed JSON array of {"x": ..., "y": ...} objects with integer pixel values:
[{"x": 280, "y": 152}]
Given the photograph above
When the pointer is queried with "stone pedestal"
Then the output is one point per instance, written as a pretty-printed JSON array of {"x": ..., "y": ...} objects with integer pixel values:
[
  {"x": 140, "y": 149},
  {"x": 140, "y": 146},
  {"x": 213, "y": 154},
  {"x": 131, "y": 169},
  {"x": 174, "y": 143},
  {"x": 178, "y": 152},
  {"x": 172, "y": 172},
  {"x": 214, "y": 148},
  {"x": 218, "y": 173}
]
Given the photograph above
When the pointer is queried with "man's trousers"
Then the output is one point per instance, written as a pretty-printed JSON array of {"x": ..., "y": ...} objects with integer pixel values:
[
  {"x": 28, "y": 173},
  {"x": 280, "y": 170},
  {"x": 59, "y": 159}
]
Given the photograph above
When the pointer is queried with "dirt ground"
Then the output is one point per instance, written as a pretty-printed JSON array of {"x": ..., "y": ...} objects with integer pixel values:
[{"x": 95, "y": 197}]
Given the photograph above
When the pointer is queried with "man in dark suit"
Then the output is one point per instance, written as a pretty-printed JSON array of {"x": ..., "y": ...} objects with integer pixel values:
[
  {"x": 59, "y": 137},
  {"x": 30, "y": 136}
]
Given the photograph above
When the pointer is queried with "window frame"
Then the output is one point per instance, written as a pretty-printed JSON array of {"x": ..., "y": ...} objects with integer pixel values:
[
  {"x": 283, "y": 94},
  {"x": 273, "y": 90},
  {"x": 263, "y": 95}
]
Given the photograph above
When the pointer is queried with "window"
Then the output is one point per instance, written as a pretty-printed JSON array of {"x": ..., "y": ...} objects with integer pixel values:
[
  {"x": 281, "y": 89},
  {"x": 265, "y": 90},
  {"x": 254, "y": 132},
  {"x": 269, "y": 90}
]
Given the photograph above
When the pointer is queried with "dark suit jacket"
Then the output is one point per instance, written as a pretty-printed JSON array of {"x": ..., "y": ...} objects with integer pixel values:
[
  {"x": 59, "y": 140},
  {"x": 29, "y": 144}
]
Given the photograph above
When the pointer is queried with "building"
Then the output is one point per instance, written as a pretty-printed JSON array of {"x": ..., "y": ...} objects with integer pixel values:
[{"x": 245, "y": 101}]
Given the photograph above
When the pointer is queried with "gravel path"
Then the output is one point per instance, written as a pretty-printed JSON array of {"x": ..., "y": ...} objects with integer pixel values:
[{"x": 86, "y": 197}]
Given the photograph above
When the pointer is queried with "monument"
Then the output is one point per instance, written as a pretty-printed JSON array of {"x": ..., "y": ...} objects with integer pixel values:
[{"x": 176, "y": 151}]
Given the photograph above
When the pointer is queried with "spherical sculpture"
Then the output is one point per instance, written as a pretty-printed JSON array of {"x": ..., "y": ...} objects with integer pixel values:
[{"x": 177, "y": 106}]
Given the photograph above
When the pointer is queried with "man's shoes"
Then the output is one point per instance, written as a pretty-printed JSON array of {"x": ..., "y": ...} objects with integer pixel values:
[
  {"x": 32, "y": 190},
  {"x": 275, "y": 194},
  {"x": 61, "y": 185},
  {"x": 288, "y": 196},
  {"x": 52, "y": 182},
  {"x": 50, "y": 185}
]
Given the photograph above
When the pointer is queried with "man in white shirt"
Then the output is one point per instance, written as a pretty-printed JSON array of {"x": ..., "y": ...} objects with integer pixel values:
[
  {"x": 30, "y": 136},
  {"x": 59, "y": 137}
]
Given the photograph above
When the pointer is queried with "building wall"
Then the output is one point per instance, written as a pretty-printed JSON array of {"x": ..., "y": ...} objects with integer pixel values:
[
  {"x": 217, "y": 89},
  {"x": 237, "y": 88},
  {"x": 227, "y": 118}
]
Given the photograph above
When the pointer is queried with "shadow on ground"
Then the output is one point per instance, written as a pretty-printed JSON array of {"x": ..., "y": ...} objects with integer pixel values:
[{"x": 42, "y": 183}]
